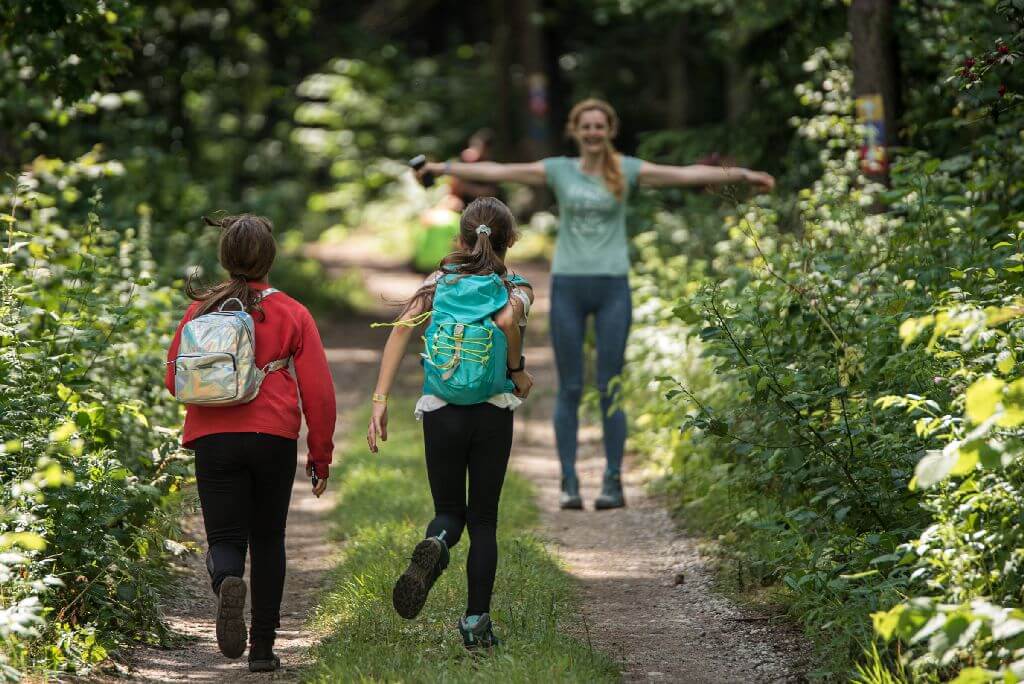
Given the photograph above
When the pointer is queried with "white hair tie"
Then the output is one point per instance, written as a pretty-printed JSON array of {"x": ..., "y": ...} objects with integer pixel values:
[{"x": 483, "y": 229}]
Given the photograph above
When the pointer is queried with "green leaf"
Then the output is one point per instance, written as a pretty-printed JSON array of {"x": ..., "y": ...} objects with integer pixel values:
[
  {"x": 64, "y": 432},
  {"x": 975, "y": 675},
  {"x": 24, "y": 540},
  {"x": 1005, "y": 361},
  {"x": 934, "y": 467},
  {"x": 982, "y": 398}
]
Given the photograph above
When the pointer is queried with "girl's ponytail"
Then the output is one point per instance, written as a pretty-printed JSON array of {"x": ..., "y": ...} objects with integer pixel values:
[
  {"x": 483, "y": 258},
  {"x": 486, "y": 231}
]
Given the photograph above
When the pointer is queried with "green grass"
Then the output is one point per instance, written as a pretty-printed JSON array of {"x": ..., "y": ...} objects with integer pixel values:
[{"x": 384, "y": 506}]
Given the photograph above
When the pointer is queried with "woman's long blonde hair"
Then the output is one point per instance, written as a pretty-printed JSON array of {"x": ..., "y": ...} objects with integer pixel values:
[{"x": 611, "y": 167}]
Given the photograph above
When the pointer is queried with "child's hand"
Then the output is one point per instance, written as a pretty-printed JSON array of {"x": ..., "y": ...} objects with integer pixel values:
[
  {"x": 321, "y": 485},
  {"x": 378, "y": 427},
  {"x": 523, "y": 382}
]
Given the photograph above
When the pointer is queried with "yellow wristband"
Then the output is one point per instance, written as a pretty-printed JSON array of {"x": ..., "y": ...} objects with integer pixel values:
[{"x": 380, "y": 398}]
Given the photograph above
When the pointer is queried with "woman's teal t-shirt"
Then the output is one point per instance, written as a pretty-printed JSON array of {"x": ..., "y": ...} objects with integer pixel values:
[{"x": 592, "y": 223}]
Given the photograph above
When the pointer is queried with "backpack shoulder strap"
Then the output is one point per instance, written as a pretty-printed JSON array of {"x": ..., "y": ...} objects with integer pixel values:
[
  {"x": 276, "y": 365},
  {"x": 267, "y": 292}
]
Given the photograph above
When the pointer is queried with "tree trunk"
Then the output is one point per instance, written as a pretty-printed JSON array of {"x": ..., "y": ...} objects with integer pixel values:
[
  {"x": 738, "y": 90},
  {"x": 501, "y": 50},
  {"x": 534, "y": 103},
  {"x": 678, "y": 85},
  {"x": 876, "y": 70}
]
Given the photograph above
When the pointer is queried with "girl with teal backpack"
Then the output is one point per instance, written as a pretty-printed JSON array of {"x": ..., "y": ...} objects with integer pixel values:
[{"x": 474, "y": 378}]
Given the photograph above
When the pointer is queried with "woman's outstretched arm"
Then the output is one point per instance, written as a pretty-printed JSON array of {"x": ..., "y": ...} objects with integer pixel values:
[
  {"x": 661, "y": 175},
  {"x": 530, "y": 173}
]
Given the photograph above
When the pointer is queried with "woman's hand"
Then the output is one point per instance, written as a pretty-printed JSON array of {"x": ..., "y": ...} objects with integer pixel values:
[
  {"x": 378, "y": 428},
  {"x": 433, "y": 168},
  {"x": 759, "y": 180},
  {"x": 523, "y": 382},
  {"x": 321, "y": 485}
]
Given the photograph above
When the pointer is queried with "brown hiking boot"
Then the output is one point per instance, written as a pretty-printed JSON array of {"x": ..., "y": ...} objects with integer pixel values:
[{"x": 231, "y": 632}]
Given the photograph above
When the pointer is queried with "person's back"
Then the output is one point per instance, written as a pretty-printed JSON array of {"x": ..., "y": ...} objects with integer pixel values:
[
  {"x": 246, "y": 452},
  {"x": 474, "y": 378}
]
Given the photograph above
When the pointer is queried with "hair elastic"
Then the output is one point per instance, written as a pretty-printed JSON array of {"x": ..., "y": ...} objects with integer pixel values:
[{"x": 483, "y": 229}]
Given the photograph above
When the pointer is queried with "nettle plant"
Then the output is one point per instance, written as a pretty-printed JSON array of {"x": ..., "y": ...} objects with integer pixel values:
[{"x": 87, "y": 470}]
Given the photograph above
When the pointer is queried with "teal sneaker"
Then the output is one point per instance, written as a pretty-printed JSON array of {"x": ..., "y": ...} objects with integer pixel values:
[
  {"x": 429, "y": 559},
  {"x": 478, "y": 632}
]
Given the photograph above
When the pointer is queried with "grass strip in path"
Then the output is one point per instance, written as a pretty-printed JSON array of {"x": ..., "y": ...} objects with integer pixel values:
[{"x": 383, "y": 507}]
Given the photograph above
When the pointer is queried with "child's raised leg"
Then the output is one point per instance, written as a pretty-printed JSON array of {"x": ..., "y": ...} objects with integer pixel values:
[{"x": 446, "y": 441}]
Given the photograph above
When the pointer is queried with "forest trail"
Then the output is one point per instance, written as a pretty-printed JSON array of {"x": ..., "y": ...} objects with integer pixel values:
[{"x": 626, "y": 561}]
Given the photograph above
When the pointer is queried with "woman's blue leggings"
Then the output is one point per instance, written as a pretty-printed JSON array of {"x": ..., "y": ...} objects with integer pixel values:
[{"x": 573, "y": 298}]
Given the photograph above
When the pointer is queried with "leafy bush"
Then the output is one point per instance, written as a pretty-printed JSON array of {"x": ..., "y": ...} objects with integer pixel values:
[
  {"x": 795, "y": 451},
  {"x": 88, "y": 470}
]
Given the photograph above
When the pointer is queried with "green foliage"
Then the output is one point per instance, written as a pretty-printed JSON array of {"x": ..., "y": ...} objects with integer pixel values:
[
  {"x": 385, "y": 503},
  {"x": 87, "y": 464},
  {"x": 825, "y": 324},
  {"x": 360, "y": 120}
]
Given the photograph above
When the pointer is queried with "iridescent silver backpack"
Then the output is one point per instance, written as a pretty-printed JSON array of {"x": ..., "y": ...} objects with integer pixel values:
[{"x": 216, "y": 361}]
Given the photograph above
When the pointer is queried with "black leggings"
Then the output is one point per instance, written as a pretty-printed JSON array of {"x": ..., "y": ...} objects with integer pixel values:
[
  {"x": 245, "y": 485},
  {"x": 477, "y": 439}
]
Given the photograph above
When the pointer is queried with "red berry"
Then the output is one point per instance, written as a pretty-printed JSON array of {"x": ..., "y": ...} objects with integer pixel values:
[
  {"x": 969, "y": 62},
  {"x": 1002, "y": 89},
  {"x": 1003, "y": 49}
]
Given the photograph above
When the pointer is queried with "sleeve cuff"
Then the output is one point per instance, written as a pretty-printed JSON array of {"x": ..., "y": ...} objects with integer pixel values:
[{"x": 322, "y": 470}]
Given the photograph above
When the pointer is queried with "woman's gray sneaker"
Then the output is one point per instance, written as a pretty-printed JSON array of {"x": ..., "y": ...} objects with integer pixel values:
[
  {"x": 231, "y": 632},
  {"x": 611, "y": 493},
  {"x": 429, "y": 559},
  {"x": 570, "y": 496}
]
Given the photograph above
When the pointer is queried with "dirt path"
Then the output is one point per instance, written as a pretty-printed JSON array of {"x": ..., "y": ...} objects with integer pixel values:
[{"x": 629, "y": 562}]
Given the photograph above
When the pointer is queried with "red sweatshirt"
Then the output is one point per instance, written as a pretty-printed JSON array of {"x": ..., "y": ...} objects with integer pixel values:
[{"x": 287, "y": 329}]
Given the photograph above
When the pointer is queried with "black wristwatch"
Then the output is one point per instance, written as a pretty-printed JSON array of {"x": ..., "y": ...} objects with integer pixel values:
[{"x": 520, "y": 368}]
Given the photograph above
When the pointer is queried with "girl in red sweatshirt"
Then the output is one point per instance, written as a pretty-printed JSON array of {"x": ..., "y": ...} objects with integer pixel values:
[{"x": 246, "y": 454}]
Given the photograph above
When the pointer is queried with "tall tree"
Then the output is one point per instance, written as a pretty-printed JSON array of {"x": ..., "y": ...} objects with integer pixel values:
[
  {"x": 534, "y": 104},
  {"x": 875, "y": 61}
]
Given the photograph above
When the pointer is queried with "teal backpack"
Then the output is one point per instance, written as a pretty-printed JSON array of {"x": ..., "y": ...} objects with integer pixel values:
[{"x": 465, "y": 352}]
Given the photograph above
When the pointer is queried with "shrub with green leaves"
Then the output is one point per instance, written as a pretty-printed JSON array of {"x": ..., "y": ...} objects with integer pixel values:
[
  {"x": 88, "y": 468},
  {"x": 795, "y": 451}
]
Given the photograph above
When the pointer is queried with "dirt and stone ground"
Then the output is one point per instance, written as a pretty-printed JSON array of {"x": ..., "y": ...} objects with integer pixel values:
[{"x": 647, "y": 591}]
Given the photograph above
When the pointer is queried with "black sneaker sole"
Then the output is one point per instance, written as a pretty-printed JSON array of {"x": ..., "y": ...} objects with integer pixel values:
[
  {"x": 231, "y": 632},
  {"x": 412, "y": 587},
  {"x": 608, "y": 505},
  {"x": 265, "y": 665}
]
